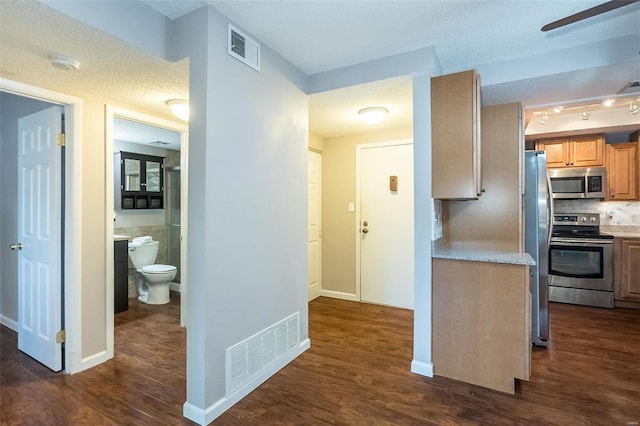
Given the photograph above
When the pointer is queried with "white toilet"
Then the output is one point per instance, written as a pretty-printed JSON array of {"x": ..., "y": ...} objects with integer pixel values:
[{"x": 152, "y": 280}]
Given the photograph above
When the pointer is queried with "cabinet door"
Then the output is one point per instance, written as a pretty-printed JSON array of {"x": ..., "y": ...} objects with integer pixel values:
[
  {"x": 557, "y": 152},
  {"x": 622, "y": 171},
  {"x": 587, "y": 151},
  {"x": 455, "y": 121},
  {"x": 630, "y": 269}
]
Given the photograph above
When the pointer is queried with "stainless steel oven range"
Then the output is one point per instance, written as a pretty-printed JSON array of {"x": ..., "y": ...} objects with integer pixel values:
[{"x": 580, "y": 261}]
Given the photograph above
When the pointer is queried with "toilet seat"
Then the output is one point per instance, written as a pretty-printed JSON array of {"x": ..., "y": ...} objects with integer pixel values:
[{"x": 158, "y": 269}]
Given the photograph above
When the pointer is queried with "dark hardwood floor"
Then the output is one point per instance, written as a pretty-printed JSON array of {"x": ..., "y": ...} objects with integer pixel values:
[{"x": 356, "y": 373}]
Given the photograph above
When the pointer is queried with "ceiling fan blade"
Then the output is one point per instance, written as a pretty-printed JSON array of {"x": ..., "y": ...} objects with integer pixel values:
[{"x": 588, "y": 13}]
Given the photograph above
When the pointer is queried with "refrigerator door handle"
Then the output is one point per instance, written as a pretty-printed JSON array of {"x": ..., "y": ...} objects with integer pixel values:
[{"x": 550, "y": 211}]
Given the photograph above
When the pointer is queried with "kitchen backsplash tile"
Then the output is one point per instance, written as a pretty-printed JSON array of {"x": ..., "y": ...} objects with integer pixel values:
[{"x": 612, "y": 213}]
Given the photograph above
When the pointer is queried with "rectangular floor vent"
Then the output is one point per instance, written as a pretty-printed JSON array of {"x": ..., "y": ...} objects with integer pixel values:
[
  {"x": 243, "y": 48},
  {"x": 246, "y": 359}
]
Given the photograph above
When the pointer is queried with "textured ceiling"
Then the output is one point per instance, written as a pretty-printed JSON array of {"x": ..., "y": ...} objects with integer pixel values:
[
  {"x": 30, "y": 34},
  {"x": 322, "y": 35},
  {"x": 335, "y": 113}
]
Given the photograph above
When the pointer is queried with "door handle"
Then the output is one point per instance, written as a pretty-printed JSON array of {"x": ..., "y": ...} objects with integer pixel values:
[{"x": 17, "y": 246}]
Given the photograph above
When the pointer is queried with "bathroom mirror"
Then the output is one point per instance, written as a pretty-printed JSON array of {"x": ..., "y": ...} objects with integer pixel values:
[
  {"x": 131, "y": 174},
  {"x": 153, "y": 176}
]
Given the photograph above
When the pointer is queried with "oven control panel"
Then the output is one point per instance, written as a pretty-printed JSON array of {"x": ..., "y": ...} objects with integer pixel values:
[{"x": 577, "y": 219}]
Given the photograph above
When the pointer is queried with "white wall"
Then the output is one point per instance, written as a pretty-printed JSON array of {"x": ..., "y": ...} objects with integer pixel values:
[
  {"x": 12, "y": 107},
  {"x": 247, "y": 203}
]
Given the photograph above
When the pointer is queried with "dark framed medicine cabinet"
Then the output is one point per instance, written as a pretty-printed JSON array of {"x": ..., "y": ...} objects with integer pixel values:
[{"x": 139, "y": 181}]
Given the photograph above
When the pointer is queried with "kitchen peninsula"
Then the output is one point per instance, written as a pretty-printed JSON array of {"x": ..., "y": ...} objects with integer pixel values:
[
  {"x": 481, "y": 315},
  {"x": 481, "y": 296}
]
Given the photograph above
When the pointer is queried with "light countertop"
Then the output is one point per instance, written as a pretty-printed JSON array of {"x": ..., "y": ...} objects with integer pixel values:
[
  {"x": 618, "y": 234},
  {"x": 442, "y": 249},
  {"x": 119, "y": 237}
]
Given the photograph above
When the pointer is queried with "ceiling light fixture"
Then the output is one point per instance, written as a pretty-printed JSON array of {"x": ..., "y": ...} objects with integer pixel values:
[
  {"x": 558, "y": 109},
  {"x": 545, "y": 118},
  {"x": 373, "y": 115},
  {"x": 608, "y": 102},
  {"x": 634, "y": 106},
  {"x": 179, "y": 108},
  {"x": 586, "y": 115},
  {"x": 64, "y": 63}
]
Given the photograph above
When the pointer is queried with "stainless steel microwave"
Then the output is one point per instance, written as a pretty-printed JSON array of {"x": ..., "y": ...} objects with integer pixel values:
[{"x": 578, "y": 182}]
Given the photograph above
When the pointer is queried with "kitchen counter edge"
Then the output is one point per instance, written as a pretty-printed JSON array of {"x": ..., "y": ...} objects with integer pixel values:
[{"x": 440, "y": 250}]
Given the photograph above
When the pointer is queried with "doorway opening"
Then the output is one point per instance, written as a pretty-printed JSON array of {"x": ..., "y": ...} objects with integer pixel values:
[
  {"x": 161, "y": 217},
  {"x": 65, "y": 345}
]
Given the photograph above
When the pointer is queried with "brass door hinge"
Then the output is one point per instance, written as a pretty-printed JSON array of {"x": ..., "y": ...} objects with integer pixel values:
[
  {"x": 61, "y": 139},
  {"x": 61, "y": 336}
]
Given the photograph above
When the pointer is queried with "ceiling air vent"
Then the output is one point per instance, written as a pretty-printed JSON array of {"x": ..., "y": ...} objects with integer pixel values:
[
  {"x": 243, "y": 48},
  {"x": 630, "y": 87}
]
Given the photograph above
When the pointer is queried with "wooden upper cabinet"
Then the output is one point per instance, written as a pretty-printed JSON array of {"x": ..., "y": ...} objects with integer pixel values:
[
  {"x": 557, "y": 152},
  {"x": 622, "y": 171},
  {"x": 455, "y": 133},
  {"x": 576, "y": 151}
]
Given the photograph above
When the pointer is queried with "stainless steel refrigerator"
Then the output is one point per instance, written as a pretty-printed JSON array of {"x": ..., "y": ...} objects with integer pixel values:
[{"x": 538, "y": 211}]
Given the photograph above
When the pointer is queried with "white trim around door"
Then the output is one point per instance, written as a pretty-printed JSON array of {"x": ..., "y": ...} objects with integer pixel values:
[
  {"x": 110, "y": 114},
  {"x": 73, "y": 214}
]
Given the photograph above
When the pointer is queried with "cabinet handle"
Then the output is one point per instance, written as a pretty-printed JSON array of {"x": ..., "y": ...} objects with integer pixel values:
[
  {"x": 613, "y": 195},
  {"x": 566, "y": 164},
  {"x": 572, "y": 164}
]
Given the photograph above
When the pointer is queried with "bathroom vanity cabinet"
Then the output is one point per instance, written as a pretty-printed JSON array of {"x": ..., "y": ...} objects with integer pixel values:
[
  {"x": 120, "y": 276},
  {"x": 139, "y": 181}
]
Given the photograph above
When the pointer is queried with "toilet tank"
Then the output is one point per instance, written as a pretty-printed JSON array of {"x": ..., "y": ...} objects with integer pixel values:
[{"x": 143, "y": 254}]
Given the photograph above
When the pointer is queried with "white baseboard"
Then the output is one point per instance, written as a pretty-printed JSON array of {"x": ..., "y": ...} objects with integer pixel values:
[
  {"x": 93, "y": 360},
  {"x": 209, "y": 414},
  {"x": 422, "y": 368},
  {"x": 175, "y": 287},
  {"x": 8, "y": 322},
  {"x": 340, "y": 295}
]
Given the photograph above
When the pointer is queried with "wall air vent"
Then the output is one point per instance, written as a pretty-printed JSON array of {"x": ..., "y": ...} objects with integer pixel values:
[
  {"x": 630, "y": 87},
  {"x": 243, "y": 48}
]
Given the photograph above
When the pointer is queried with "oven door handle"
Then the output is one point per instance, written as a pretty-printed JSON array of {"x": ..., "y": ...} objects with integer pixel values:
[{"x": 580, "y": 241}]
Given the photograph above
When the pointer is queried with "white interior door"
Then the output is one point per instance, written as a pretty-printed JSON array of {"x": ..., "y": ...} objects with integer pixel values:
[
  {"x": 40, "y": 235},
  {"x": 315, "y": 225},
  {"x": 386, "y": 225}
]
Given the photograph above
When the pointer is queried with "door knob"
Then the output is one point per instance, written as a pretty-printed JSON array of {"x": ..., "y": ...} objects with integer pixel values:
[
  {"x": 17, "y": 246},
  {"x": 365, "y": 223},
  {"x": 365, "y": 230}
]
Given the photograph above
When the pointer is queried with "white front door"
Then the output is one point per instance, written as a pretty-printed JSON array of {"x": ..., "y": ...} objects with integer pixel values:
[
  {"x": 314, "y": 265},
  {"x": 386, "y": 225},
  {"x": 40, "y": 235}
]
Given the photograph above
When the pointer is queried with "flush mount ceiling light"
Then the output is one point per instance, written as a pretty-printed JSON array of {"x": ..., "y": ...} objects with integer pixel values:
[
  {"x": 64, "y": 63},
  {"x": 634, "y": 106},
  {"x": 586, "y": 115},
  {"x": 373, "y": 115},
  {"x": 179, "y": 108}
]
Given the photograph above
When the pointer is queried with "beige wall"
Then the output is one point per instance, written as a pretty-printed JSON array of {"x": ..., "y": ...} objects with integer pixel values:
[
  {"x": 338, "y": 190},
  {"x": 316, "y": 142}
]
